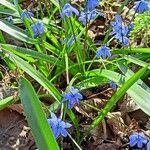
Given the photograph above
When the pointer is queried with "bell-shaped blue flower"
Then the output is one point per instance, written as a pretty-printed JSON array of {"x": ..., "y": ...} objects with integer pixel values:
[
  {"x": 72, "y": 97},
  {"x": 37, "y": 28},
  {"x": 58, "y": 126},
  {"x": 103, "y": 52},
  {"x": 137, "y": 139},
  {"x": 113, "y": 85},
  {"x": 121, "y": 31},
  {"x": 141, "y": 6},
  {"x": 86, "y": 17},
  {"x": 91, "y": 4},
  {"x": 26, "y": 14},
  {"x": 68, "y": 10}
]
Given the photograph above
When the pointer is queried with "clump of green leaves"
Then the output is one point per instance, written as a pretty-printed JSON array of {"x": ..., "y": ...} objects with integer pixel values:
[{"x": 141, "y": 30}]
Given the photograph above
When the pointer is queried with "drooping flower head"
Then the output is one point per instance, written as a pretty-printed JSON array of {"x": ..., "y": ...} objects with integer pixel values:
[
  {"x": 72, "y": 97},
  {"x": 141, "y": 6},
  {"x": 26, "y": 14},
  {"x": 37, "y": 28},
  {"x": 91, "y": 4},
  {"x": 86, "y": 17},
  {"x": 103, "y": 52},
  {"x": 113, "y": 85},
  {"x": 137, "y": 139},
  {"x": 58, "y": 126},
  {"x": 68, "y": 10},
  {"x": 120, "y": 31}
]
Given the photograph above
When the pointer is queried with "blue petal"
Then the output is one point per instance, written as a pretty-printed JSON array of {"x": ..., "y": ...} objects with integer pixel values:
[
  {"x": 64, "y": 132},
  {"x": 53, "y": 115},
  {"x": 148, "y": 145},
  {"x": 133, "y": 139},
  {"x": 139, "y": 144}
]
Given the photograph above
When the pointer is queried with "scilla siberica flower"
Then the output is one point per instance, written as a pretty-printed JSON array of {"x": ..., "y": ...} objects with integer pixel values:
[
  {"x": 72, "y": 97},
  {"x": 91, "y": 4},
  {"x": 26, "y": 14},
  {"x": 103, "y": 52},
  {"x": 141, "y": 6},
  {"x": 137, "y": 139},
  {"x": 37, "y": 28},
  {"x": 88, "y": 16},
  {"x": 68, "y": 10},
  {"x": 113, "y": 85},
  {"x": 120, "y": 31},
  {"x": 58, "y": 126}
]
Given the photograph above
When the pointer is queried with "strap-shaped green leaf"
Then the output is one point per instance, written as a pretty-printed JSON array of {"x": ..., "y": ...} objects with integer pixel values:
[
  {"x": 8, "y": 5},
  {"x": 36, "y": 117},
  {"x": 37, "y": 76},
  {"x": 16, "y": 32}
]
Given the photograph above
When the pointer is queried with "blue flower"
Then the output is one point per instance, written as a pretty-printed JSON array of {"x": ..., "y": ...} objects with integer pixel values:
[
  {"x": 58, "y": 126},
  {"x": 141, "y": 6},
  {"x": 148, "y": 145},
  {"x": 9, "y": 19},
  {"x": 26, "y": 14},
  {"x": 72, "y": 97},
  {"x": 37, "y": 28},
  {"x": 113, "y": 85},
  {"x": 103, "y": 52},
  {"x": 121, "y": 31},
  {"x": 91, "y": 4},
  {"x": 88, "y": 16},
  {"x": 137, "y": 138},
  {"x": 68, "y": 10}
]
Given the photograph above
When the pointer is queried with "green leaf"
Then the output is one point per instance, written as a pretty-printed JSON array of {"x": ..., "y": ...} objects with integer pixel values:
[
  {"x": 37, "y": 76},
  {"x": 6, "y": 102},
  {"x": 29, "y": 54},
  {"x": 131, "y": 50},
  {"x": 36, "y": 117},
  {"x": 136, "y": 61},
  {"x": 91, "y": 82},
  {"x": 8, "y": 5},
  {"x": 138, "y": 92},
  {"x": 16, "y": 32}
]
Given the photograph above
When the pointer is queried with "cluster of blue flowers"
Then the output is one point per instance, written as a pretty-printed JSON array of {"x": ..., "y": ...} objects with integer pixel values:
[
  {"x": 119, "y": 31},
  {"x": 37, "y": 28},
  {"x": 85, "y": 16},
  {"x": 140, "y": 140},
  {"x": 58, "y": 126}
]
